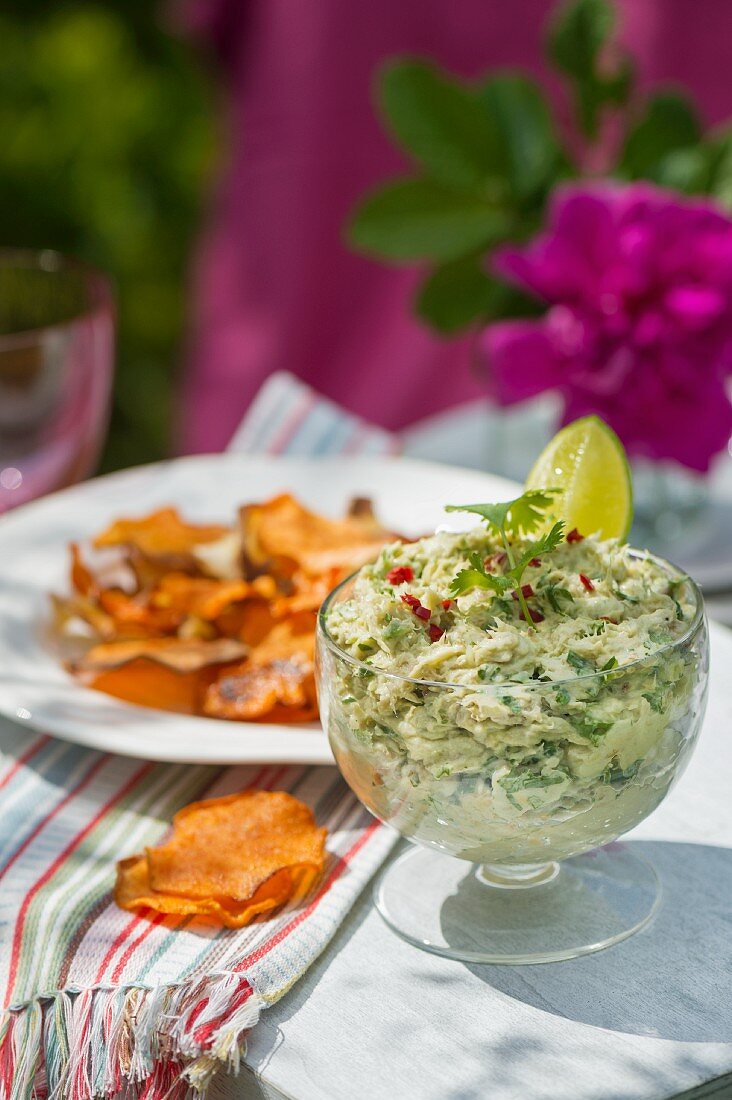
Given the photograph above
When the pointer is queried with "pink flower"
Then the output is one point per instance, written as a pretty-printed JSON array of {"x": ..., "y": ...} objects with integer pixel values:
[{"x": 639, "y": 326}]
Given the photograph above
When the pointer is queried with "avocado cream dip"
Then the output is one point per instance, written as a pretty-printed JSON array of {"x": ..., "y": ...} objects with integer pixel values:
[{"x": 499, "y": 739}]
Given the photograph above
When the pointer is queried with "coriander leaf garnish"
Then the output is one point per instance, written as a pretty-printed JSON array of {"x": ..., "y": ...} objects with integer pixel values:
[
  {"x": 516, "y": 517},
  {"x": 544, "y": 545},
  {"x": 477, "y": 577},
  {"x": 467, "y": 579},
  {"x": 511, "y": 519}
]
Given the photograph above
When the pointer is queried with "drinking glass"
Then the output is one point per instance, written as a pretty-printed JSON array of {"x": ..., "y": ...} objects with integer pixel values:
[
  {"x": 506, "y": 868},
  {"x": 56, "y": 365}
]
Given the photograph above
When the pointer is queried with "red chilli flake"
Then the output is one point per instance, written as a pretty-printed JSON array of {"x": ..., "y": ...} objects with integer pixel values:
[
  {"x": 535, "y": 562},
  {"x": 574, "y": 536},
  {"x": 586, "y": 583},
  {"x": 436, "y": 633},
  {"x": 536, "y": 616},
  {"x": 493, "y": 561},
  {"x": 526, "y": 591},
  {"x": 447, "y": 604},
  {"x": 608, "y": 619},
  {"x": 400, "y": 574},
  {"x": 414, "y": 605}
]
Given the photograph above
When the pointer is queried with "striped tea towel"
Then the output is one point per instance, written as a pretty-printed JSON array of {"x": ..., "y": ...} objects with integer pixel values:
[
  {"x": 288, "y": 417},
  {"x": 97, "y": 1001}
]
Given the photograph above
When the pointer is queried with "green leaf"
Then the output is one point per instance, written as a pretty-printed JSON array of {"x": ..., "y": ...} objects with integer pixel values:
[
  {"x": 544, "y": 545},
  {"x": 527, "y": 513},
  {"x": 468, "y": 579},
  {"x": 669, "y": 122},
  {"x": 554, "y": 593},
  {"x": 581, "y": 664},
  {"x": 616, "y": 87},
  {"x": 719, "y": 152},
  {"x": 397, "y": 628},
  {"x": 456, "y": 294},
  {"x": 494, "y": 514},
  {"x": 688, "y": 170},
  {"x": 512, "y": 517},
  {"x": 577, "y": 34},
  {"x": 590, "y": 727},
  {"x": 459, "y": 293},
  {"x": 521, "y": 781},
  {"x": 519, "y": 108},
  {"x": 478, "y": 577},
  {"x": 441, "y": 124},
  {"x": 417, "y": 219},
  {"x": 615, "y": 775},
  {"x": 476, "y": 560},
  {"x": 656, "y": 700},
  {"x": 512, "y": 703}
]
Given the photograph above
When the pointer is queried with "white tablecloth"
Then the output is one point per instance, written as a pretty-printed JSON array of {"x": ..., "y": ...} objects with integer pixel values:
[{"x": 651, "y": 1018}]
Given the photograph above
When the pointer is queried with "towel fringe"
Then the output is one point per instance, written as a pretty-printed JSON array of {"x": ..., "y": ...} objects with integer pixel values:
[{"x": 166, "y": 1043}]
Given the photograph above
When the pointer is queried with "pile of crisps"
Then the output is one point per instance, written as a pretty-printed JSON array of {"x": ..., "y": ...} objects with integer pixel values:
[
  {"x": 228, "y": 860},
  {"x": 208, "y": 619}
]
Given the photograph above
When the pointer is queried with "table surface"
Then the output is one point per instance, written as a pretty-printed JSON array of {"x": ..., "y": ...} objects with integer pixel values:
[{"x": 647, "y": 1019}]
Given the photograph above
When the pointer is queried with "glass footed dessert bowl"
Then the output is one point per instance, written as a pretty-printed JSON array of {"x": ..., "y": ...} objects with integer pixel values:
[{"x": 513, "y": 789}]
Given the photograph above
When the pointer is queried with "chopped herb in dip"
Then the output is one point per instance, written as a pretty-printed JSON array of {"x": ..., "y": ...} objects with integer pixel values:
[{"x": 564, "y": 692}]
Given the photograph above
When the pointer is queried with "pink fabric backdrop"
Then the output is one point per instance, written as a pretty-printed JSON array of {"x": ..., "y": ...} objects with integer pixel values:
[{"x": 274, "y": 287}]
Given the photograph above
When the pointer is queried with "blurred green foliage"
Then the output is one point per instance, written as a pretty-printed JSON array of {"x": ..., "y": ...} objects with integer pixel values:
[
  {"x": 108, "y": 138},
  {"x": 486, "y": 156}
]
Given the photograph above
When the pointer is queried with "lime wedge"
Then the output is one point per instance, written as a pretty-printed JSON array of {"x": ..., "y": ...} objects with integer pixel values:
[{"x": 587, "y": 465}]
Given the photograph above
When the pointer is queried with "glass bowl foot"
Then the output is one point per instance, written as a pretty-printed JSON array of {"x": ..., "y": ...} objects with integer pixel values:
[{"x": 519, "y": 915}]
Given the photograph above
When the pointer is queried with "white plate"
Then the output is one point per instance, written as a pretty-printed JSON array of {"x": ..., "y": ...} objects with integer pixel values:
[{"x": 34, "y": 688}]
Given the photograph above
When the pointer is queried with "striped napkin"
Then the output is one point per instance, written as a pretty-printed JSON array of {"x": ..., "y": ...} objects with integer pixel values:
[
  {"x": 288, "y": 417},
  {"x": 97, "y": 1001}
]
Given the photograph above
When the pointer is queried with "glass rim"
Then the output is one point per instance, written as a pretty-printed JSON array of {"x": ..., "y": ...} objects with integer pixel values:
[
  {"x": 96, "y": 283},
  {"x": 513, "y": 685}
]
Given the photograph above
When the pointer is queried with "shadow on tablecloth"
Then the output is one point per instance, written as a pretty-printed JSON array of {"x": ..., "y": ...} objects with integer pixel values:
[{"x": 673, "y": 980}]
